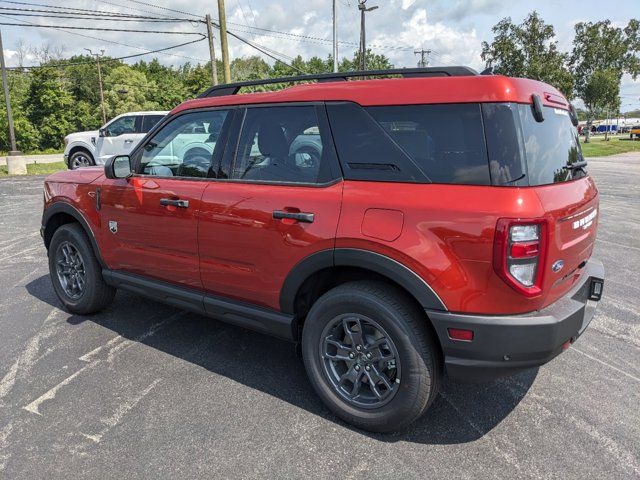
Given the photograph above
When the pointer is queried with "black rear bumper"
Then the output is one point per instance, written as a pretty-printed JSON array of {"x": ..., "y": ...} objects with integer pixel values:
[{"x": 504, "y": 345}]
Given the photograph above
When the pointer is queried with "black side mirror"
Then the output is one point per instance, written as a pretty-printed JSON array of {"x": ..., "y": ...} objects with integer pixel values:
[
  {"x": 118, "y": 167},
  {"x": 102, "y": 132},
  {"x": 573, "y": 115},
  {"x": 538, "y": 112}
]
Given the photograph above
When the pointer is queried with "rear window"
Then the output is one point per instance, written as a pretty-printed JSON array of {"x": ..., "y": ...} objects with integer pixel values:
[{"x": 525, "y": 152}]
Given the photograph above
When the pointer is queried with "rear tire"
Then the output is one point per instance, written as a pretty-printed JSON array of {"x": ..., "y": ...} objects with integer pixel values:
[
  {"x": 338, "y": 366},
  {"x": 75, "y": 272}
]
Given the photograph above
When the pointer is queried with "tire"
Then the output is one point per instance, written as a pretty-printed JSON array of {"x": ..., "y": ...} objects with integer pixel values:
[
  {"x": 79, "y": 159},
  {"x": 71, "y": 250},
  {"x": 418, "y": 368}
]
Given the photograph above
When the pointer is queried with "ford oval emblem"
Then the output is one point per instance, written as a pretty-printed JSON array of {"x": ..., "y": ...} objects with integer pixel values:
[{"x": 557, "y": 266}]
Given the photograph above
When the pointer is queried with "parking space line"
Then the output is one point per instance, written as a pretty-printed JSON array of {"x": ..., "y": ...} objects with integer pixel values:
[
  {"x": 633, "y": 377},
  {"x": 34, "y": 407}
]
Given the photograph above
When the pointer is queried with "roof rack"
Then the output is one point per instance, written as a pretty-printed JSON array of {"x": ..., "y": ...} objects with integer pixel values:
[{"x": 234, "y": 88}]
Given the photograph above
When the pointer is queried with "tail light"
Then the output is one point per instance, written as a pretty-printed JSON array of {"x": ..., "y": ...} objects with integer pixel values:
[{"x": 518, "y": 254}]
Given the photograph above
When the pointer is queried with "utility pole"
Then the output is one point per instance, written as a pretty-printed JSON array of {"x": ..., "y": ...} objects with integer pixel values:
[
  {"x": 5, "y": 86},
  {"x": 363, "y": 43},
  {"x": 335, "y": 37},
  {"x": 223, "y": 42},
  {"x": 98, "y": 55},
  {"x": 212, "y": 52},
  {"x": 423, "y": 57}
]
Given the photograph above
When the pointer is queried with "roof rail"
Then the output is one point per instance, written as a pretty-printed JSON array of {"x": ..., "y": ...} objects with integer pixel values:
[{"x": 234, "y": 88}]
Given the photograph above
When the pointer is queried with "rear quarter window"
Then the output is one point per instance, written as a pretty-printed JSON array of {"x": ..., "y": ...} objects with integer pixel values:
[
  {"x": 445, "y": 141},
  {"x": 411, "y": 143}
]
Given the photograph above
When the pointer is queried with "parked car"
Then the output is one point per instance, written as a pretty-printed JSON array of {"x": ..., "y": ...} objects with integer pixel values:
[
  {"x": 635, "y": 130},
  {"x": 352, "y": 218},
  {"x": 116, "y": 137}
]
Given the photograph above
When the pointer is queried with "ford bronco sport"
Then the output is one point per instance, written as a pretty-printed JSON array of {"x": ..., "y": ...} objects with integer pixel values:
[{"x": 395, "y": 228}]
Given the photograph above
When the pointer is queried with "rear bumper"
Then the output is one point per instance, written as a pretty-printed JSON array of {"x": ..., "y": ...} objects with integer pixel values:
[{"x": 504, "y": 345}]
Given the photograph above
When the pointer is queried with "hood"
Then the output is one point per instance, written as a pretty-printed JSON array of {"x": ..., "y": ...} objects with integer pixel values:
[
  {"x": 81, "y": 175},
  {"x": 77, "y": 135}
]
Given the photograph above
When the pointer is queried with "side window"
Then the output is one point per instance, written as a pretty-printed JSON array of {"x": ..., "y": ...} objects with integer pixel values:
[
  {"x": 284, "y": 144},
  {"x": 149, "y": 122},
  {"x": 365, "y": 149},
  {"x": 446, "y": 141},
  {"x": 184, "y": 147},
  {"x": 121, "y": 126}
]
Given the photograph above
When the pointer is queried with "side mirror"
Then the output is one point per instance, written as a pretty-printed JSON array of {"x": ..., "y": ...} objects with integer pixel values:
[
  {"x": 102, "y": 132},
  {"x": 118, "y": 167}
]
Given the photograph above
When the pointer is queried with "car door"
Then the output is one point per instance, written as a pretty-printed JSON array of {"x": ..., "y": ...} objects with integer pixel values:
[
  {"x": 149, "y": 220},
  {"x": 119, "y": 137},
  {"x": 280, "y": 202}
]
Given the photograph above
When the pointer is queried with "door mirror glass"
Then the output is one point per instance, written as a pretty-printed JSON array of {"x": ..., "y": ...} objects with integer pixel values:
[
  {"x": 102, "y": 132},
  {"x": 118, "y": 167}
]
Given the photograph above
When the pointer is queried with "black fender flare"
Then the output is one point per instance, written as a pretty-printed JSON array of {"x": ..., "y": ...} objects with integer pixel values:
[
  {"x": 354, "y": 257},
  {"x": 67, "y": 208}
]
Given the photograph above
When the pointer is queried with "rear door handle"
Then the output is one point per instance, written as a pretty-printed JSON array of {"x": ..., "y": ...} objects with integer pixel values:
[
  {"x": 298, "y": 216},
  {"x": 174, "y": 203},
  {"x": 128, "y": 141}
]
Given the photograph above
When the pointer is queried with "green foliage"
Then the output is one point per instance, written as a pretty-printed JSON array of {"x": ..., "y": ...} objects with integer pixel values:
[
  {"x": 49, "y": 107},
  {"x": 127, "y": 90},
  {"x": 601, "y": 91},
  {"x": 528, "y": 50}
]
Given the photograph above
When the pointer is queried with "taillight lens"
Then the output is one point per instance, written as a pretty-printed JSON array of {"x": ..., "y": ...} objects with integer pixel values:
[{"x": 518, "y": 255}]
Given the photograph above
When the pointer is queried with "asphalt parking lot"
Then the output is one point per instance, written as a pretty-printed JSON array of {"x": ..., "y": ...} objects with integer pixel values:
[{"x": 144, "y": 390}]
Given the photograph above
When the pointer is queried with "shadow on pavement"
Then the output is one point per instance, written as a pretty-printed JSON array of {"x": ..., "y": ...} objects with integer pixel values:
[{"x": 462, "y": 413}]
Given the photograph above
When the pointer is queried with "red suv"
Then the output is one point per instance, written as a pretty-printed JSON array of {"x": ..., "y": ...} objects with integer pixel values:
[{"x": 397, "y": 228}]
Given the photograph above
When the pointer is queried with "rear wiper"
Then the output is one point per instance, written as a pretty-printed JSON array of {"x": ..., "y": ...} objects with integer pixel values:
[{"x": 576, "y": 166}]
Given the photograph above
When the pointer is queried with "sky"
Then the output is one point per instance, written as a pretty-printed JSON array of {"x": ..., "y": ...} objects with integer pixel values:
[{"x": 452, "y": 29}]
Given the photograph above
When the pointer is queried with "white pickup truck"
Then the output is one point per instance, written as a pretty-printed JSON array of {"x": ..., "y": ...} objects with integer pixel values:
[{"x": 116, "y": 137}]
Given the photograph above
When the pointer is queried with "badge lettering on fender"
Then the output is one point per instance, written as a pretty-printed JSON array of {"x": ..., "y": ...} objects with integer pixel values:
[{"x": 113, "y": 226}]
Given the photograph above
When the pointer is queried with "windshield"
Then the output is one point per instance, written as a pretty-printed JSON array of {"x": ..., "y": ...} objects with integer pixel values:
[{"x": 525, "y": 152}]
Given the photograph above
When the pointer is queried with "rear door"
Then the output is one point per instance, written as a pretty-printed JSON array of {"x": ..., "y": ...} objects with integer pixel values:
[{"x": 277, "y": 203}]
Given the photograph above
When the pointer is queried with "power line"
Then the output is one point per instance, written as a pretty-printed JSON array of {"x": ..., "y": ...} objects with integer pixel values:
[
  {"x": 256, "y": 46},
  {"x": 37, "y": 25},
  {"x": 107, "y": 60},
  {"x": 84, "y": 35},
  {"x": 97, "y": 17},
  {"x": 165, "y": 8}
]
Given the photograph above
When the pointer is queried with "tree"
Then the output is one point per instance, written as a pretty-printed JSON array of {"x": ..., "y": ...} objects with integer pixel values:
[
  {"x": 528, "y": 50},
  {"x": 172, "y": 89},
  {"x": 49, "y": 107},
  {"x": 127, "y": 90},
  {"x": 373, "y": 61},
  {"x": 606, "y": 52},
  {"x": 602, "y": 94}
]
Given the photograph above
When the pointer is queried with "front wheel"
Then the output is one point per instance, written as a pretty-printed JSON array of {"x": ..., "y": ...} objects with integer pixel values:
[
  {"x": 370, "y": 356},
  {"x": 80, "y": 159},
  {"x": 75, "y": 272}
]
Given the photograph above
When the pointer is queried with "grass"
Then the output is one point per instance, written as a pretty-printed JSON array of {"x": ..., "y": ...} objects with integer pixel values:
[
  {"x": 38, "y": 168},
  {"x": 597, "y": 147}
]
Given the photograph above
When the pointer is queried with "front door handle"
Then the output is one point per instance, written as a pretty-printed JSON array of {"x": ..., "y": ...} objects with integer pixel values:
[
  {"x": 298, "y": 216},
  {"x": 174, "y": 203},
  {"x": 128, "y": 141}
]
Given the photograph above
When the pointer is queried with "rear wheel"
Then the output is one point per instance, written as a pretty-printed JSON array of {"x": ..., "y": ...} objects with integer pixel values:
[
  {"x": 75, "y": 272},
  {"x": 370, "y": 356}
]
